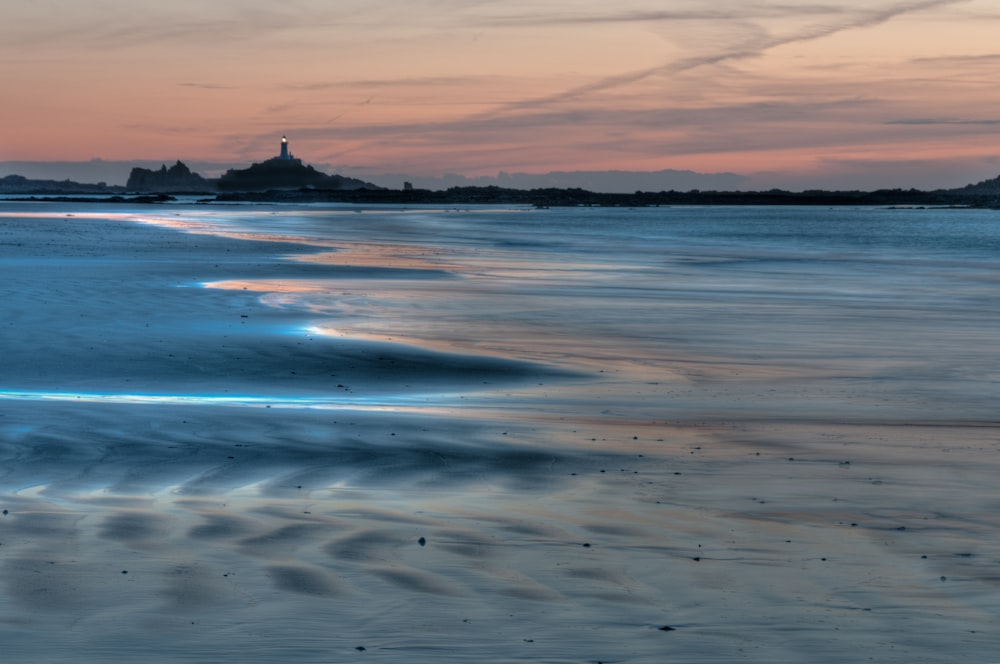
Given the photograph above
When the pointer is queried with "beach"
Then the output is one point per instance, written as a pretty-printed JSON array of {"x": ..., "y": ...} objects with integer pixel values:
[{"x": 361, "y": 433}]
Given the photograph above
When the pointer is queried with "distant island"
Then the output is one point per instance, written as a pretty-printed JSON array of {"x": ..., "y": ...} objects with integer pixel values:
[
  {"x": 286, "y": 179},
  {"x": 283, "y": 172}
]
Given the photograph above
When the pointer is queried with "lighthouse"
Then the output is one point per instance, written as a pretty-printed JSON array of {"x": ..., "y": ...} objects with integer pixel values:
[{"x": 284, "y": 150}]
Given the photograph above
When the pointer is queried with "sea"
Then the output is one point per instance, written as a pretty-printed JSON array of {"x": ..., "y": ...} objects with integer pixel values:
[{"x": 330, "y": 433}]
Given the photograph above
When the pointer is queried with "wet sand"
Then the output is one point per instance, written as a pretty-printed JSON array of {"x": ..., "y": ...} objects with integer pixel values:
[{"x": 194, "y": 473}]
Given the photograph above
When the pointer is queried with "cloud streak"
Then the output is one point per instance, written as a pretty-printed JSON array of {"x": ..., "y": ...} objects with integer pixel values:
[
  {"x": 751, "y": 49},
  {"x": 206, "y": 86},
  {"x": 703, "y": 13},
  {"x": 942, "y": 121}
]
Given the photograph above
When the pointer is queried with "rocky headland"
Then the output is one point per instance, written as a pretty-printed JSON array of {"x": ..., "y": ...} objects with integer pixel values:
[
  {"x": 286, "y": 174},
  {"x": 176, "y": 179}
]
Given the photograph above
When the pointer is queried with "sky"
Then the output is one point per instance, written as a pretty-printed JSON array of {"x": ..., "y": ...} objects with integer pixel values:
[{"x": 849, "y": 94}]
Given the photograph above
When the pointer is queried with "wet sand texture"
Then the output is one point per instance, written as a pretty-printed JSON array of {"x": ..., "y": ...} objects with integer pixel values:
[{"x": 451, "y": 437}]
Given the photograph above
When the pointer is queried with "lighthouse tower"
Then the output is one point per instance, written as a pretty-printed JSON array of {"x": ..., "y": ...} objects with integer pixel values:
[{"x": 285, "y": 156}]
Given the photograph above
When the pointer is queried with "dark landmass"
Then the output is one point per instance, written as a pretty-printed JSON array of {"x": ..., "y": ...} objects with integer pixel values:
[
  {"x": 278, "y": 174},
  {"x": 145, "y": 198},
  {"x": 272, "y": 175},
  {"x": 543, "y": 198},
  {"x": 288, "y": 180},
  {"x": 618, "y": 181},
  {"x": 985, "y": 188},
  {"x": 18, "y": 184},
  {"x": 580, "y": 197},
  {"x": 176, "y": 179}
]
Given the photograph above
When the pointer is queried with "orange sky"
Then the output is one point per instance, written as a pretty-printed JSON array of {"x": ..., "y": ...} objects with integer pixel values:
[{"x": 853, "y": 93}]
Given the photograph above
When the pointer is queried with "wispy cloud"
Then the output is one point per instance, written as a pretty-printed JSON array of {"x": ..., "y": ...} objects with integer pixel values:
[
  {"x": 951, "y": 60},
  {"x": 942, "y": 121},
  {"x": 206, "y": 86},
  {"x": 703, "y": 13},
  {"x": 146, "y": 24},
  {"x": 757, "y": 45},
  {"x": 604, "y": 128},
  {"x": 399, "y": 82}
]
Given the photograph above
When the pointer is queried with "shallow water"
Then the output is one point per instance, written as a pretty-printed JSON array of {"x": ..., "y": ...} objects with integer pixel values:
[
  {"x": 224, "y": 431},
  {"x": 859, "y": 308}
]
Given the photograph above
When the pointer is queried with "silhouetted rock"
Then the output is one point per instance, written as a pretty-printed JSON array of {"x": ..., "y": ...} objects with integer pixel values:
[
  {"x": 177, "y": 178},
  {"x": 289, "y": 173},
  {"x": 984, "y": 188}
]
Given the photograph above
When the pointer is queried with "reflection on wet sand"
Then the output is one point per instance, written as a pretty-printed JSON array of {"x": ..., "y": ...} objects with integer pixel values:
[{"x": 503, "y": 436}]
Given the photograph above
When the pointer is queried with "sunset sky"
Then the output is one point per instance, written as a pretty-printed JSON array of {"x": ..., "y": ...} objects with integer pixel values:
[{"x": 856, "y": 93}]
